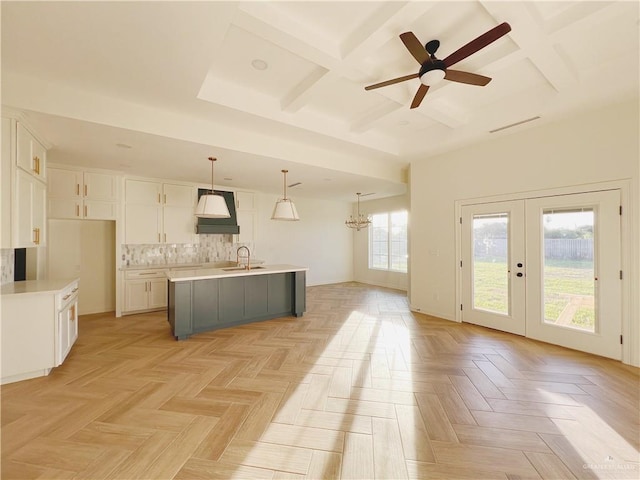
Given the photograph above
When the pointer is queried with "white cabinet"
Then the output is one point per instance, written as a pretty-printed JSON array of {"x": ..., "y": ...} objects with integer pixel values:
[
  {"x": 39, "y": 327},
  {"x": 145, "y": 290},
  {"x": 77, "y": 194},
  {"x": 23, "y": 198},
  {"x": 247, "y": 217},
  {"x": 31, "y": 155},
  {"x": 159, "y": 213},
  {"x": 29, "y": 206},
  {"x": 6, "y": 188}
]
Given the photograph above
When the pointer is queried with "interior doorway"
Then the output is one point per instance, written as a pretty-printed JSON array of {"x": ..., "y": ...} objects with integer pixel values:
[{"x": 547, "y": 268}]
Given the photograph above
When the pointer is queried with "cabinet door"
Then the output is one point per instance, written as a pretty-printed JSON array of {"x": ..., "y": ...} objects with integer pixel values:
[
  {"x": 61, "y": 207},
  {"x": 73, "y": 324},
  {"x": 30, "y": 154},
  {"x": 179, "y": 195},
  {"x": 64, "y": 183},
  {"x": 245, "y": 200},
  {"x": 158, "y": 293},
  {"x": 247, "y": 224},
  {"x": 141, "y": 192},
  {"x": 136, "y": 294},
  {"x": 179, "y": 224},
  {"x": 256, "y": 294},
  {"x": 97, "y": 210},
  {"x": 143, "y": 223},
  {"x": 23, "y": 229},
  {"x": 63, "y": 337},
  {"x": 100, "y": 186},
  {"x": 39, "y": 212},
  {"x": 6, "y": 188}
]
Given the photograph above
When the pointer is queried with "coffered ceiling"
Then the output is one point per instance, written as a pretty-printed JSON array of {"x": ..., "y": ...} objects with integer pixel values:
[{"x": 270, "y": 85}]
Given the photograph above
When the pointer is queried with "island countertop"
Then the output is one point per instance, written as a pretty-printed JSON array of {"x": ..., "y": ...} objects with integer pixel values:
[{"x": 207, "y": 273}]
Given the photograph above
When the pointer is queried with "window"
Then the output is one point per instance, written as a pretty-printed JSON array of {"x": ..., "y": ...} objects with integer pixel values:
[{"x": 388, "y": 241}]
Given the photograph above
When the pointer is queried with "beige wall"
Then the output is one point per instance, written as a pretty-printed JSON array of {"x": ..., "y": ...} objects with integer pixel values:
[
  {"x": 596, "y": 146},
  {"x": 85, "y": 249},
  {"x": 319, "y": 240},
  {"x": 362, "y": 273}
]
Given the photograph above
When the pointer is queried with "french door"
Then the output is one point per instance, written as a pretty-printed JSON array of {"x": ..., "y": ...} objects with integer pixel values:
[{"x": 547, "y": 268}]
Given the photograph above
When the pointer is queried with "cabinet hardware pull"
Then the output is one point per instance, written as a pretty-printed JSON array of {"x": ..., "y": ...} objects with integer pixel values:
[
  {"x": 35, "y": 236},
  {"x": 77, "y": 189},
  {"x": 146, "y": 284},
  {"x": 165, "y": 238},
  {"x": 74, "y": 290},
  {"x": 86, "y": 190},
  {"x": 147, "y": 273},
  {"x": 77, "y": 210},
  {"x": 85, "y": 210},
  {"x": 35, "y": 164},
  {"x": 159, "y": 198},
  {"x": 158, "y": 237},
  {"x": 38, "y": 235},
  {"x": 66, "y": 296},
  {"x": 165, "y": 198}
]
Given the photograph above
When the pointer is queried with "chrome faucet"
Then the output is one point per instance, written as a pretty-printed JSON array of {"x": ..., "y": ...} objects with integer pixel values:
[{"x": 248, "y": 257}]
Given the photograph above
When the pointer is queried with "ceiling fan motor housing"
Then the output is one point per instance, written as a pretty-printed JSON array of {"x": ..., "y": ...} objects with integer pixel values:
[{"x": 432, "y": 64}]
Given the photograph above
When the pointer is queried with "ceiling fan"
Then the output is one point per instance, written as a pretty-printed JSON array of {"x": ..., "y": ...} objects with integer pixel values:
[{"x": 432, "y": 69}]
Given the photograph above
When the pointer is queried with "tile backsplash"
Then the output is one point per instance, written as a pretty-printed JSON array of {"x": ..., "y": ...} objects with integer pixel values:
[
  {"x": 7, "y": 259},
  {"x": 211, "y": 248}
]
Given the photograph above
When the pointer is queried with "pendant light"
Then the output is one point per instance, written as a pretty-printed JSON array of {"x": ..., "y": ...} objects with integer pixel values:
[
  {"x": 285, "y": 209},
  {"x": 212, "y": 205},
  {"x": 361, "y": 221}
]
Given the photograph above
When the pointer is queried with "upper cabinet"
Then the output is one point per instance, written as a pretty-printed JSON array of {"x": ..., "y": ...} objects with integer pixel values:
[
  {"x": 247, "y": 217},
  {"x": 31, "y": 156},
  {"x": 78, "y": 194},
  {"x": 24, "y": 189},
  {"x": 159, "y": 212}
]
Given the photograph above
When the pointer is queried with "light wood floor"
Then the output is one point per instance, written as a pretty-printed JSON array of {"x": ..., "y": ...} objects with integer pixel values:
[{"x": 359, "y": 387}]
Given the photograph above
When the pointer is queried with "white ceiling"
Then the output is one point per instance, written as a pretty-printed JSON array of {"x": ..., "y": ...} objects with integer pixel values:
[{"x": 175, "y": 81}]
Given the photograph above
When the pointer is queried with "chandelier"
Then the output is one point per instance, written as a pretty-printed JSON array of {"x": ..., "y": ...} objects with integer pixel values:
[{"x": 362, "y": 220}]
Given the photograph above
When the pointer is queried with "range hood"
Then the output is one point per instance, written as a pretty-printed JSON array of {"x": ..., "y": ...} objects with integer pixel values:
[{"x": 219, "y": 225}]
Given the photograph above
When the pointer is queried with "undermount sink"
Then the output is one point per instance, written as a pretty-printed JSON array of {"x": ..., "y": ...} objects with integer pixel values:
[{"x": 233, "y": 269}]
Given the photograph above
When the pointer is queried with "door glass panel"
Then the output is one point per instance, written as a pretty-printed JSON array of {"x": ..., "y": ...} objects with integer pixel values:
[
  {"x": 490, "y": 263},
  {"x": 569, "y": 273}
]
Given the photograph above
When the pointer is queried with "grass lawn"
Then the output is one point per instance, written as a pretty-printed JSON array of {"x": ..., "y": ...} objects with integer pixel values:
[{"x": 564, "y": 281}]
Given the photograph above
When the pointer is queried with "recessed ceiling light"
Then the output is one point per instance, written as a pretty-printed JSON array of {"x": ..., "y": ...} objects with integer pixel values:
[
  {"x": 123, "y": 145},
  {"x": 228, "y": 179},
  {"x": 403, "y": 123},
  {"x": 259, "y": 64}
]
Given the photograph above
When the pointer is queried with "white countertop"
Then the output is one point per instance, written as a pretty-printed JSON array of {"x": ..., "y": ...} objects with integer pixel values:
[
  {"x": 36, "y": 286},
  {"x": 206, "y": 273},
  {"x": 169, "y": 266}
]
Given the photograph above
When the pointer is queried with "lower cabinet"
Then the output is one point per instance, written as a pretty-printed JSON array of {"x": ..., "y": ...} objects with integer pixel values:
[
  {"x": 145, "y": 290},
  {"x": 208, "y": 304}
]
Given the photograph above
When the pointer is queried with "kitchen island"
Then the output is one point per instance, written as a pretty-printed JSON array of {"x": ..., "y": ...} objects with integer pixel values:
[{"x": 215, "y": 298}]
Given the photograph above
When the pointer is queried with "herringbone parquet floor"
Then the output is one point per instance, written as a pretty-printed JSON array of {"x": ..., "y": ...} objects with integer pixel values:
[{"x": 359, "y": 387}]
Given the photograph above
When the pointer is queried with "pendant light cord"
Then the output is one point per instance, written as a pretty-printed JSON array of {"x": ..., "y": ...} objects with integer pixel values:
[
  {"x": 285, "y": 183},
  {"x": 213, "y": 159}
]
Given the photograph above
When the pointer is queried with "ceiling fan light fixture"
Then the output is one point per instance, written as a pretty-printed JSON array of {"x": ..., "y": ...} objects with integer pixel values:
[
  {"x": 285, "y": 209},
  {"x": 212, "y": 205},
  {"x": 432, "y": 77}
]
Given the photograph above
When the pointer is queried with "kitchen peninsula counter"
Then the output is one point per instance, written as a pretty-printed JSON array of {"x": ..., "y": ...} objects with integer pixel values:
[{"x": 214, "y": 298}]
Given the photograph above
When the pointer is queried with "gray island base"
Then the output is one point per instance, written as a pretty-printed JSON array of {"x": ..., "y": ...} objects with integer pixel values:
[{"x": 221, "y": 298}]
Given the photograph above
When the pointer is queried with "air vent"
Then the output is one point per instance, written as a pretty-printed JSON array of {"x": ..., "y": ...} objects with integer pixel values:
[{"x": 514, "y": 124}]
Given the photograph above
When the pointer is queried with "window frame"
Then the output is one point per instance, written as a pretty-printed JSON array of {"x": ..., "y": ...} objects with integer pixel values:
[{"x": 388, "y": 242}]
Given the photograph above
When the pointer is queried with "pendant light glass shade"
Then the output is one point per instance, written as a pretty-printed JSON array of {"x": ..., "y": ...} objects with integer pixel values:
[
  {"x": 212, "y": 205},
  {"x": 285, "y": 209}
]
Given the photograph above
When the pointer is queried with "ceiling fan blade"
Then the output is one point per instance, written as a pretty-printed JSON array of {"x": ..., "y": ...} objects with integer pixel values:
[
  {"x": 422, "y": 91},
  {"x": 466, "y": 77},
  {"x": 391, "y": 82},
  {"x": 477, "y": 44},
  {"x": 415, "y": 47}
]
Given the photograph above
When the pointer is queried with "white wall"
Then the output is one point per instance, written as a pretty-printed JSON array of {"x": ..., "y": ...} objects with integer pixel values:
[
  {"x": 596, "y": 146},
  {"x": 85, "y": 249},
  {"x": 319, "y": 240},
  {"x": 362, "y": 273}
]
